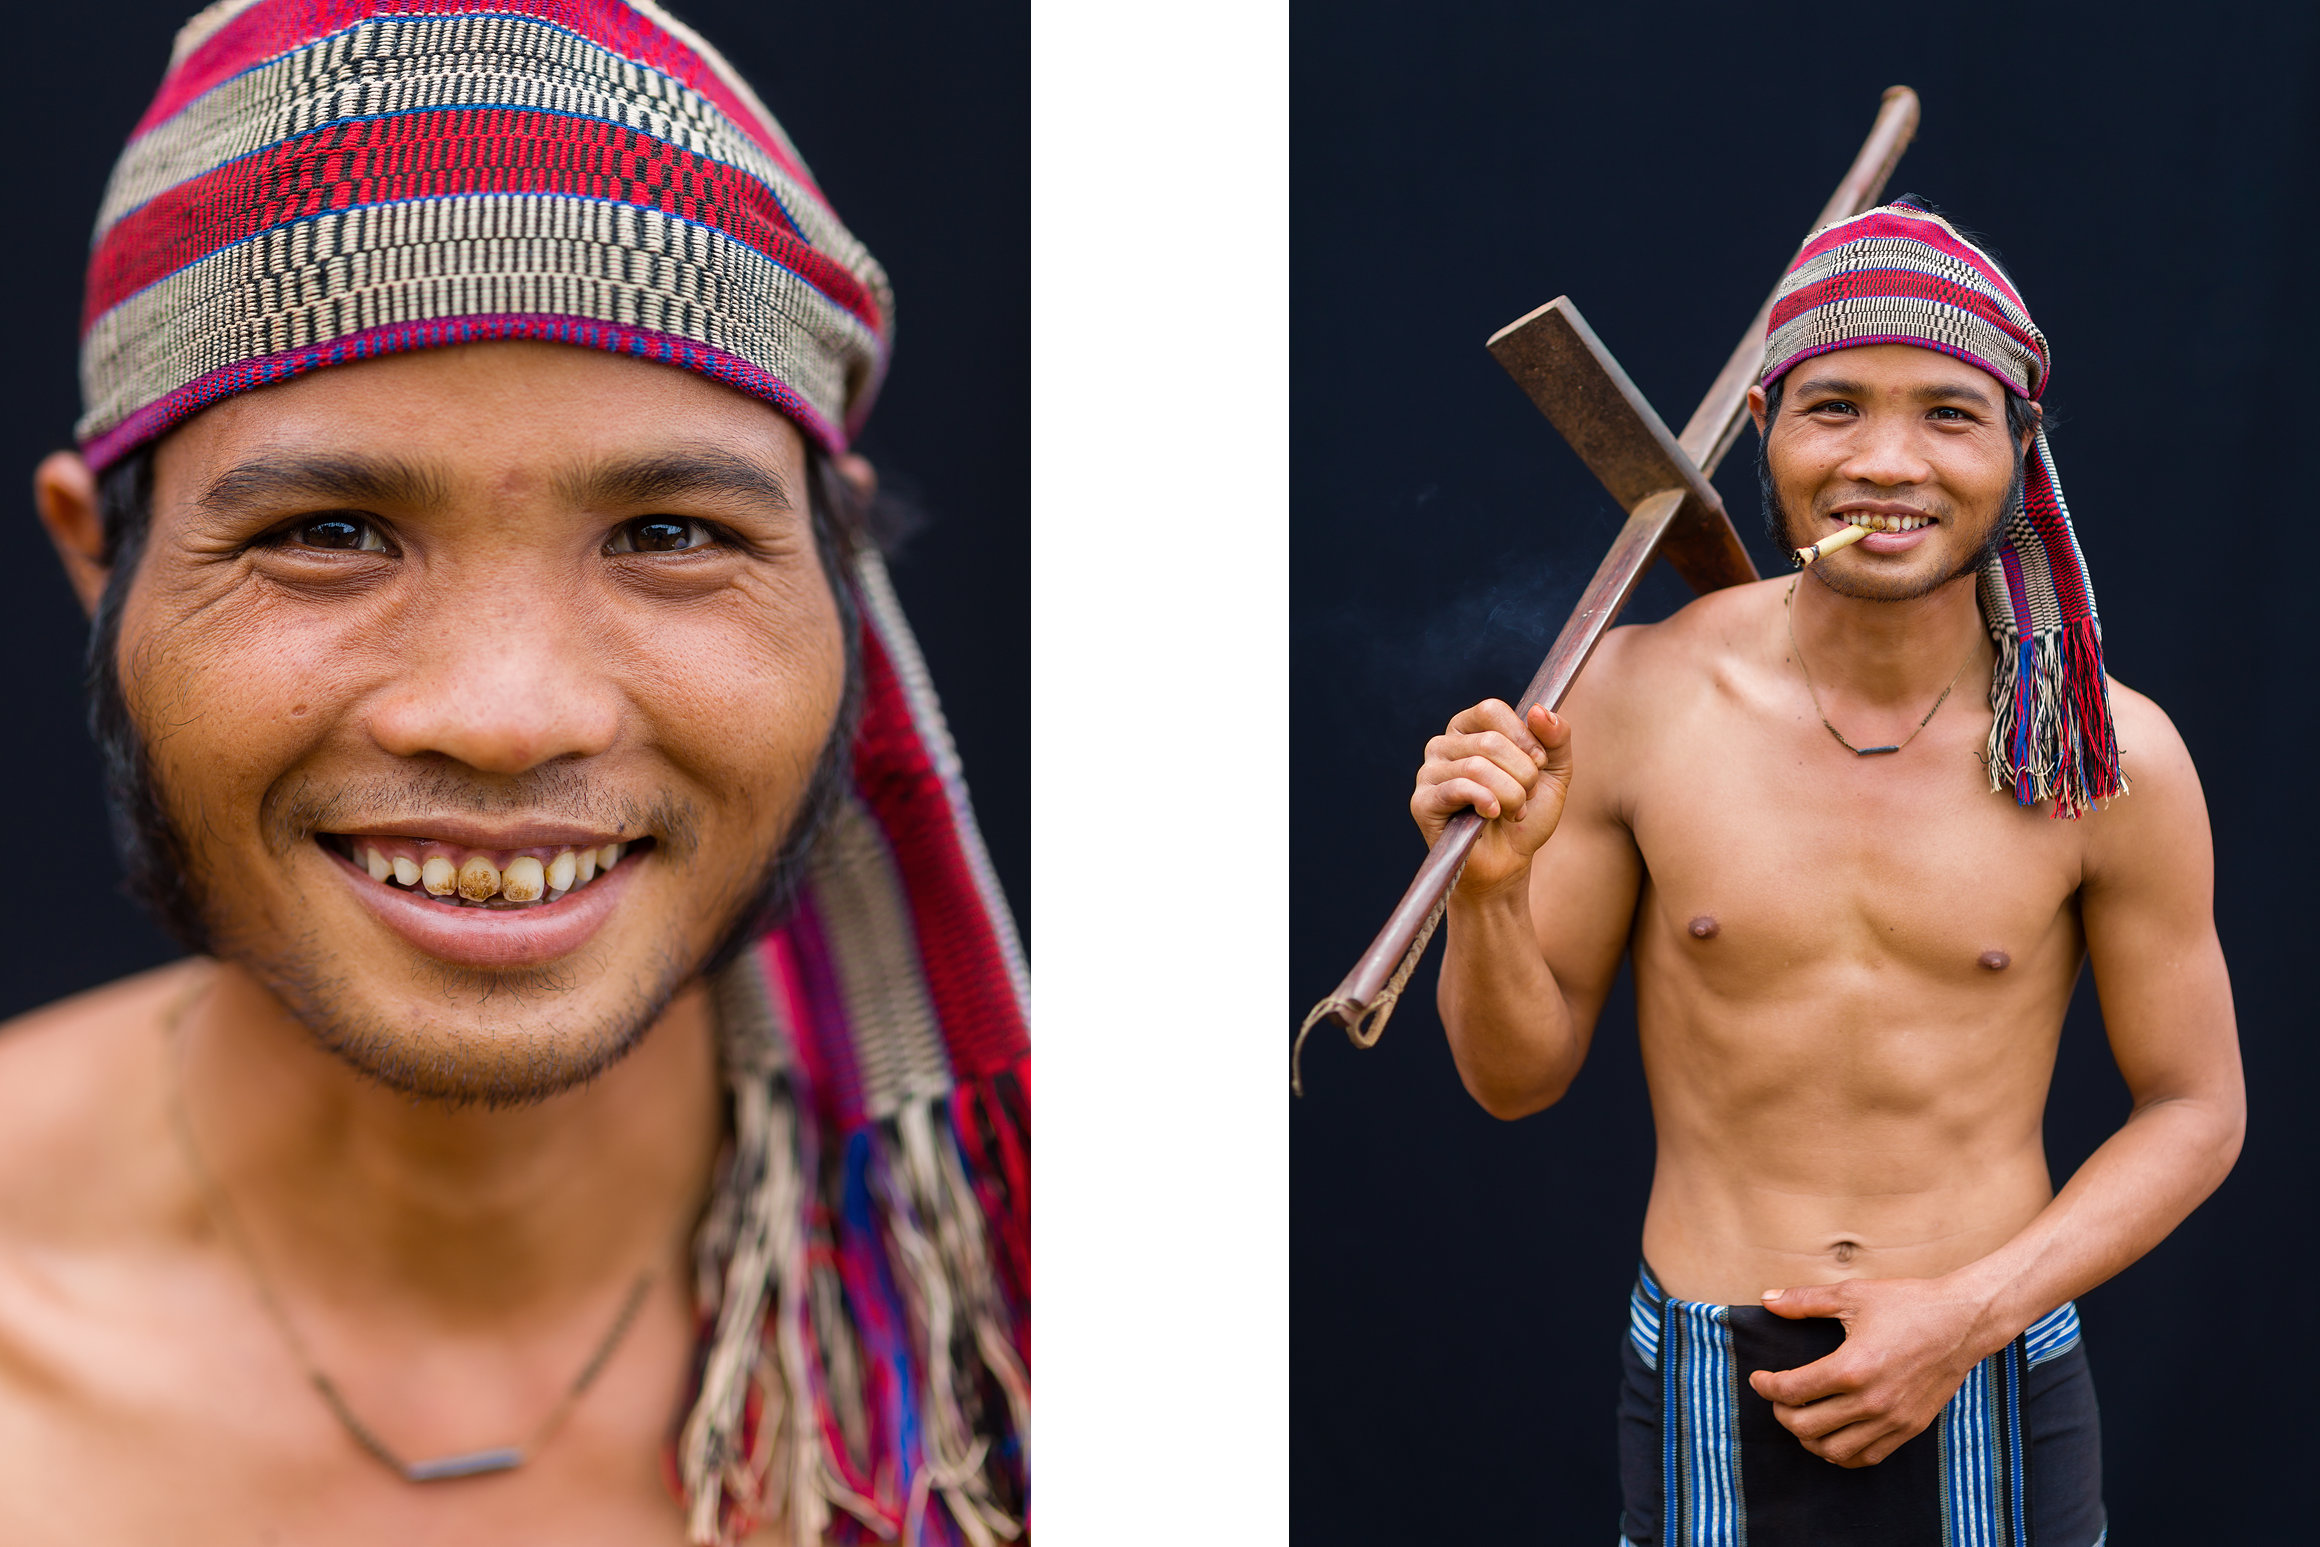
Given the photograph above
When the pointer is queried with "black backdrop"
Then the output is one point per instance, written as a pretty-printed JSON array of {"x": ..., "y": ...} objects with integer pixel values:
[
  {"x": 916, "y": 121},
  {"x": 1457, "y": 1283}
]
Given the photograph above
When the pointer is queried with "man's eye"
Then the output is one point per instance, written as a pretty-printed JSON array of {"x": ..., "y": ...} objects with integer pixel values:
[
  {"x": 1833, "y": 406},
  {"x": 347, "y": 534},
  {"x": 659, "y": 534}
]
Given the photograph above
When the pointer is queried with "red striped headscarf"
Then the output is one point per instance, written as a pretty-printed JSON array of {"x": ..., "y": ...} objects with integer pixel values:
[
  {"x": 1902, "y": 275},
  {"x": 320, "y": 181}
]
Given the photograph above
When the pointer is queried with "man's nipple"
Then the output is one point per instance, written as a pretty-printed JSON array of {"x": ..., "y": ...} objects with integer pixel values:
[
  {"x": 1995, "y": 961},
  {"x": 1704, "y": 927}
]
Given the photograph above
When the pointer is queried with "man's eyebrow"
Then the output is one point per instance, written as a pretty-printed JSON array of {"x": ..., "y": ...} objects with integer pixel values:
[
  {"x": 676, "y": 476},
  {"x": 352, "y": 480},
  {"x": 1833, "y": 386},
  {"x": 1953, "y": 392}
]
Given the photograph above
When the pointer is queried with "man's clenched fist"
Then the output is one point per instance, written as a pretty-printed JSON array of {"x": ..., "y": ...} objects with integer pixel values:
[{"x": 1513, "y": 769}]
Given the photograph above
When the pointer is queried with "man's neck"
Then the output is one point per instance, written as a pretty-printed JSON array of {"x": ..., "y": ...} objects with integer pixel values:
[
  {"x": 1897, "y": 653},
  {"x": 474, "y": 1215}
]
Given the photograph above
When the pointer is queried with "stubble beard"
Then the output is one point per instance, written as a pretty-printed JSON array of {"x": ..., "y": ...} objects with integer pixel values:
[
  {"x": 1792, "y": 534},
  {"x": 449, "y": 1065}
]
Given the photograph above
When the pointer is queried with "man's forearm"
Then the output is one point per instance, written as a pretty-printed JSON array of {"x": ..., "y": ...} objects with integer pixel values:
[
  {"x": 1512, "y": 1033},
  {"x": 2138, "y": 1186}
]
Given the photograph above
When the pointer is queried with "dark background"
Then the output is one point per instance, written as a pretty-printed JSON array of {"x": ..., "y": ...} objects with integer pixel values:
[
  {"x": 916, "y": 121},
  {"x": 1457, "y": 1284}
]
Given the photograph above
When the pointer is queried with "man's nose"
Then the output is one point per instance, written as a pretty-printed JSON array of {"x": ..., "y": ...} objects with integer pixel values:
[
  {"x": 500, "y": 689},
  {"x": 1885, "y": 452}
]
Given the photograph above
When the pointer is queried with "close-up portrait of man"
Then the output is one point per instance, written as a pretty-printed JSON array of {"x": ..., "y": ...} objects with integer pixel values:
[{"x": 586, "y": 1098}]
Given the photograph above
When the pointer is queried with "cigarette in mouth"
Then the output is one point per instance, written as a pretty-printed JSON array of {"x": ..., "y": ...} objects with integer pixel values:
[{"x": 1843, "y": 537}]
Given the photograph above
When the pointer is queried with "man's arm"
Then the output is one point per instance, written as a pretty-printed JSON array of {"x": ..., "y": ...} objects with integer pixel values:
[
  {"x": 2147, "y": 903},
  {"x": 1534, "y": 928}
]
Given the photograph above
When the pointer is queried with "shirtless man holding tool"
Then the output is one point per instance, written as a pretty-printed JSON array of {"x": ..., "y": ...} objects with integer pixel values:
[{"x": 1818, "y": 811}]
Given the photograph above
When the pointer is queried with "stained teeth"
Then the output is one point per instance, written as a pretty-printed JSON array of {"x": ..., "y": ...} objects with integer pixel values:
[
  {"x": 527, "y": 878},
  {"x": 523, "y": 880},
  {"x": 478, "y": 879}
]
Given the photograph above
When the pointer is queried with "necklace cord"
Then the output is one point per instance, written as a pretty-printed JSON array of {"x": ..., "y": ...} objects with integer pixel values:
[
  {"x": 228, "y": 1224},
  {"x": 1788, "y": 607}
]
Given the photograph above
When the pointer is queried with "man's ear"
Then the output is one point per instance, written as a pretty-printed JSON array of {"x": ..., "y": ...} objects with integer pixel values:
[
  {"x": 859, "y": 475},
  {"x": 1756, "y": 408},
  {"x": 66, "y": 492},
  {"x": 2037, "y": 423}
]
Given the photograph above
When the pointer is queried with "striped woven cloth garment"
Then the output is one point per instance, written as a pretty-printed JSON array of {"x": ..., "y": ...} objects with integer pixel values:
[
  {"x": 1728, "y": 1475},
  {"x": 323, "y": 181},
  {"x": 1902, "y": 275}
]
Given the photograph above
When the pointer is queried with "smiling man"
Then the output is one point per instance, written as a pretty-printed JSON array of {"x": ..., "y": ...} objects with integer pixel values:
[
  {"x": 1816, "y": 811},
  {"x": 597, "y": 1108}
]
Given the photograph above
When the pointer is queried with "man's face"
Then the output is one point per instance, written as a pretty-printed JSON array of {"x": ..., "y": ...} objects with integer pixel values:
[
  {"x": 478, "y": 612},
  {"x": 1902, "y": 434}
]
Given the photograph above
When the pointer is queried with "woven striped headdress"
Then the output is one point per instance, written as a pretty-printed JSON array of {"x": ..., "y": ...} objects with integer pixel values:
[
  {"x": 322, "y": 181},
  {"x": 1902, "y": 275}
]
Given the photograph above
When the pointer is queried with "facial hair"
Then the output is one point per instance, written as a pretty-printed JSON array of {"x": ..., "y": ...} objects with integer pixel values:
[
  {"x": 1791, "y": 534},
  {"x": 300, "y": 968}
]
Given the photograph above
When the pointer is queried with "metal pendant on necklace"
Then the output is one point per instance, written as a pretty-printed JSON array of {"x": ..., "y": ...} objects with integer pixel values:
[{"x": 474, "y": 1464}]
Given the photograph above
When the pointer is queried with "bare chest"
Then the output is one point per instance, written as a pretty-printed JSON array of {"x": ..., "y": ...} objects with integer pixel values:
[{"x": 1771, "y": 849}]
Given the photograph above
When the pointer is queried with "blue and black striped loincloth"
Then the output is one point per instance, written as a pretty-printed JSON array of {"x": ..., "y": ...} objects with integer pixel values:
[{"x": 2014, "y": 1460}]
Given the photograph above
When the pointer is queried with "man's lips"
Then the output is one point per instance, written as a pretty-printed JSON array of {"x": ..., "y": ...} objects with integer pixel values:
[{"x": 485, "y": 936}]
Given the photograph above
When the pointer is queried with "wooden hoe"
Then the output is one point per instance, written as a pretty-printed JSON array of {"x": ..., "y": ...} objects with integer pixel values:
[{"x": 1661, "y": 480}]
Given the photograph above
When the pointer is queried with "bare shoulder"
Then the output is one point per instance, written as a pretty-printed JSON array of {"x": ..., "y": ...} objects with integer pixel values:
[
  {"x": 2149, "y": 744},
  {"x": 1648, "y": 671},
  {"x": 2164, "y": 812},
  {"x": 80, "y": 1083}
]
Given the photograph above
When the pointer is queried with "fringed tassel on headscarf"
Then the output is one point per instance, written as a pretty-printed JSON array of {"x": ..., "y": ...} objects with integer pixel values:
[
  {"x": 2051, "y": 736},
  {"x": 750, "y": 1448},
  {"x": 790, "y": 1418},
  {"x": 944, "y": 1269}
]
